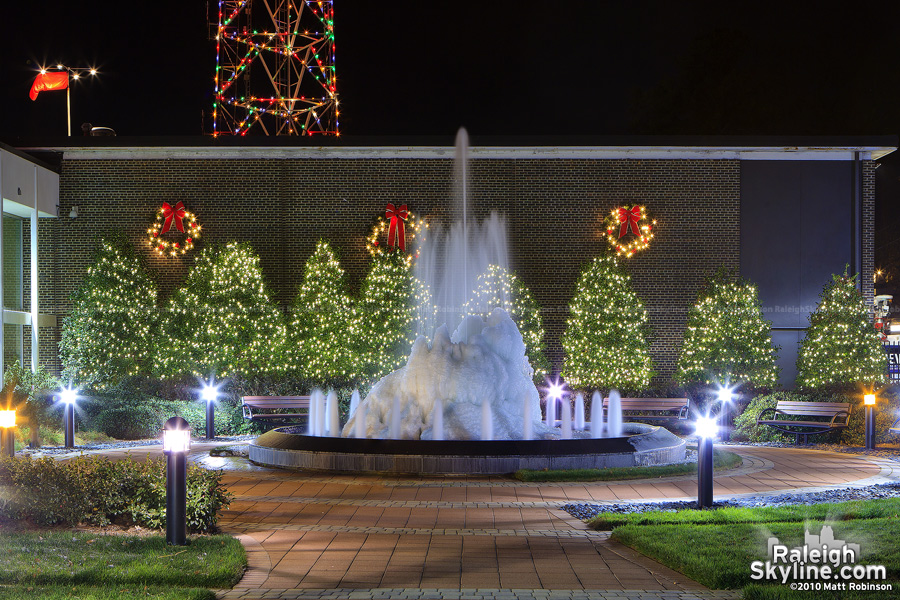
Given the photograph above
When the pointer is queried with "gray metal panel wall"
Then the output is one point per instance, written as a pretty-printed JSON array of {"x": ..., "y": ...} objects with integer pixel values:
[{"x": 797, "y": 229}]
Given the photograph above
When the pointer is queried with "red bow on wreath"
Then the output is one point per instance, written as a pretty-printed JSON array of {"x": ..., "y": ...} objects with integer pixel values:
[
  {"x": 169, "y": 213},
  {"x": 629, "y": 217},
  {"x": 397, "y": 230}
]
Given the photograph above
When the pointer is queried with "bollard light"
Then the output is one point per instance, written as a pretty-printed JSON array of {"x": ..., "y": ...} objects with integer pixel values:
[
  {"x": 7, "y": 438},
  {"x": 176, "y": 444},
  {"x": 869, "y": 402},
  {"x": 707, "y": 429},
  {"x": 555, "y": 392},
  {"x": 725, "y": 395},
  {"x": 210, "y": 393},
  {"x": 68, "y": 396}
]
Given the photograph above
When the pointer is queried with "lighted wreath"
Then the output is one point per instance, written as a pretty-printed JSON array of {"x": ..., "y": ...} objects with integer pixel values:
[
  {"x": 172, "y": 218},
  {"x": 396, "y": 227},
  {"x": 629, "y": 229}
]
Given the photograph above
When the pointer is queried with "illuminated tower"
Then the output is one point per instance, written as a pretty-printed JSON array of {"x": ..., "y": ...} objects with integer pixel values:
[{"x": 275, "y": 68}]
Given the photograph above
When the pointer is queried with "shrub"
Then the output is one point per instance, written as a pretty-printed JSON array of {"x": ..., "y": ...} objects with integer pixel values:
[
  {"x": 100, "y": 491},
  {"x": 30, "y": 394},
  {"x": 886, "y": 412}
]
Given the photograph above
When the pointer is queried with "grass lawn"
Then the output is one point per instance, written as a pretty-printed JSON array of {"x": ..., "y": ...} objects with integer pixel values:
[
  {"x": 722, "y": 459},
  {"x": 717, "y": 547},
  {"x": 65, "y": 564}
]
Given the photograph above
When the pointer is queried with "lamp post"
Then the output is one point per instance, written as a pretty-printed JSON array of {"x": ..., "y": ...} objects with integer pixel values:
[
  {"x": 210, "y": 393},
  {"x": 869, "y": 402},
  {"x": 706, "y": 430},
  {"x": 7, "y": 439},
  {"x": 68, "y": 395},
  {"x": 176, "y": 443}
]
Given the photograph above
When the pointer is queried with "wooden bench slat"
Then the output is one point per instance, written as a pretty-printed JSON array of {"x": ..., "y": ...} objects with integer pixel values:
[
  {"x": 667, "y": 408},
  {"x": 251, "y": 404},
  {"x": 825, "y": 424},
  {"x": 826, "y": 410}
]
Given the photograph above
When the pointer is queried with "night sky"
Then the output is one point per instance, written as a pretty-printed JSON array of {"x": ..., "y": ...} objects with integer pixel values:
[{"x": 496, "y": 67}]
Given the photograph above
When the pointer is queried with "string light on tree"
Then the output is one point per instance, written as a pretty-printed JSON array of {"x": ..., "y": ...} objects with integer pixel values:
[
  {"x": 109, "y": 334},
  {"x": 387, "y": 311},
  {"x": 629, "y": 229},
  {"x": 498, "y": 287},
  {"x": 841, "y": 346},
  {"x": 222, "y": 320},
  {"x": 726, "y": 338},
  {"x": 324, "y": 325},
  {"x": 606, "y": 335}
]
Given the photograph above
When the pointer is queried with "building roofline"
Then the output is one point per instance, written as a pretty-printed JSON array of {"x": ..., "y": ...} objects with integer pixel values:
[{"x": 481, "y": 147}]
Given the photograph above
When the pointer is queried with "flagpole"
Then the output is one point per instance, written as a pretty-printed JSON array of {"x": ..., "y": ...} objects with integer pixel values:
[{"x": 68, "y": 109}]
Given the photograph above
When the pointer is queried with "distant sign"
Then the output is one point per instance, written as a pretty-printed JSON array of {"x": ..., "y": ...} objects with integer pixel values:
[{"x": 893, "y": 354}]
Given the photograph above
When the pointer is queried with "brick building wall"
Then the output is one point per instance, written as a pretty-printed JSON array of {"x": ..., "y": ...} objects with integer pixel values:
[
  {"x": 868, "y": 231},
  {"x": 554, "y": 210}
]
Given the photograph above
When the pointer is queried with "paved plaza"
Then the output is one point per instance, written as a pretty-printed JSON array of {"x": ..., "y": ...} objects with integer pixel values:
[{"x": 358, "y": 536}]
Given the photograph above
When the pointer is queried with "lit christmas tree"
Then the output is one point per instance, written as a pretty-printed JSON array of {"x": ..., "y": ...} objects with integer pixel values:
[
  {"x": 841, "y": 345},
  {"x": 109, "y": 334},
  {"x": 606, "y": 335},
  {"x": 387, "y": 314},
  {"x": 222, "y": 322},
  {"x": 727, "y": 341},
  {"x": 324, "y": 332},
  {"x": 497, "y": 287}
]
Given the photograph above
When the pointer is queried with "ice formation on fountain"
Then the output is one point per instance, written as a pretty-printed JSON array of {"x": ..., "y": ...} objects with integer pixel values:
[{"x": 490, "y": 367}]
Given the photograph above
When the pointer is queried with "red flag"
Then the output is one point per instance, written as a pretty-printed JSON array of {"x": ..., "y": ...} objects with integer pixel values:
[{"x": 46, "y": 82}]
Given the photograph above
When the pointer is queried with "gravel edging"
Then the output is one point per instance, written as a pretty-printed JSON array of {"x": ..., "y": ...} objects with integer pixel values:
[
  {"x": 585, "y": 511},
  {"x": 95, "y": 446}
]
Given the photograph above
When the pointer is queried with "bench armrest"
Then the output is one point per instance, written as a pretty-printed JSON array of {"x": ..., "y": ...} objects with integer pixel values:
[
  {"x": 838, "y": 414},
  {"x": 247, "y": 411},
  {"x": 760, "y": 416}
]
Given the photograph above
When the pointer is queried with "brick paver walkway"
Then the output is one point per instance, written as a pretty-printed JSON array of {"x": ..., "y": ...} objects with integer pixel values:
[{"x": 340, "y": 536}]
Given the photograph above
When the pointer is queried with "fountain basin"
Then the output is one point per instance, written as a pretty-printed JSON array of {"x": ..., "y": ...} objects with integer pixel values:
[{"x": 288, "y": 447}]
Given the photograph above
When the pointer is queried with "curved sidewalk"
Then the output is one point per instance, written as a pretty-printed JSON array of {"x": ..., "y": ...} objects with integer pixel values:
[{"x": 340, "y": 536}]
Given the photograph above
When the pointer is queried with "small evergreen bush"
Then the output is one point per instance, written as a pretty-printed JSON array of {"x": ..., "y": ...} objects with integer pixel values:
[{"x": 99, "y": 491}]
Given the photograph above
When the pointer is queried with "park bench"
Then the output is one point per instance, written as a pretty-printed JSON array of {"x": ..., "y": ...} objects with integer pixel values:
[
  {"x": 275, "y": 408},
  {"x": 895, "y": 428},
  {"x": 837, "y": 413},
  {"x": 653, "y": 409}
]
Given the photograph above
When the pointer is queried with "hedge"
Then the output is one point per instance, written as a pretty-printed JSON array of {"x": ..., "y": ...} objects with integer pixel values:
[{"x": 99, "y": 491}]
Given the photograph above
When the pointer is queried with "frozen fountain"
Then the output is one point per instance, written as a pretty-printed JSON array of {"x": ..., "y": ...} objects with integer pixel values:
[{"x": 465, "y": 401}]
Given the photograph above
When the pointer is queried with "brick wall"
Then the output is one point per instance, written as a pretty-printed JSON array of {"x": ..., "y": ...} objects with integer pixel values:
[
  {"x": 868, "y": 231},
  {"x": 554, "y": 209}
]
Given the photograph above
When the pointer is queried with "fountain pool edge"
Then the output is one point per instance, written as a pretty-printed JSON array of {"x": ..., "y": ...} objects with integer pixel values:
[{"x": 647, "y": 445}]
